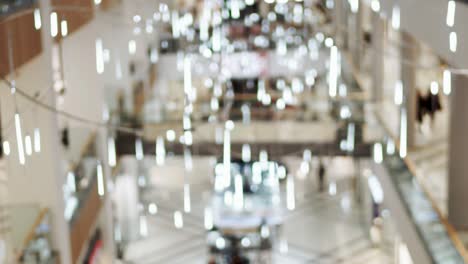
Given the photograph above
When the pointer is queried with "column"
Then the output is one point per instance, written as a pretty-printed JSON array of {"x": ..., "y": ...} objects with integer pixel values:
[
  {"x": 345, "y": 24},
  {"x": 38, "y": 183},
  {"x": 458, "y": 151},
  {"x": 338, "y": 22},
  {"x": 357, "y": 39},
  {"x": 409, "y": 54},
  {"x": 378, "y": 56}
]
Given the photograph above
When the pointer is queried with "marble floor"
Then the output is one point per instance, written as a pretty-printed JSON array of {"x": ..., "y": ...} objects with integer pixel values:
[{"x": 324, "y": 228}]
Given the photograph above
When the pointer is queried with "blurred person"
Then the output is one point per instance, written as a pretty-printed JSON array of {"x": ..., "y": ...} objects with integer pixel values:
[{"x": 321, "y": 176}]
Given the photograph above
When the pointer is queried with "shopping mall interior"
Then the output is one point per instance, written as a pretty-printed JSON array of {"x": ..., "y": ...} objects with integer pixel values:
[{"x": 233, "y": 131}]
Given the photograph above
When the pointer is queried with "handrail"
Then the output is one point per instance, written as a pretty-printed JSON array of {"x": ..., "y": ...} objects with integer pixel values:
[
  {"x": 452, "y": 233},
  {"x": 32, "y": 232},
  {"x": 89, "y": 143}
]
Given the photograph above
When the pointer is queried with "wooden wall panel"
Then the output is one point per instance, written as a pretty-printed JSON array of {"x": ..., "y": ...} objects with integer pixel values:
[
  {"x": 25, "y": 40},
  {"x": 108, "y": 4},
  {"x": 76, "y": 12},
  {"x": 83, "y": 225}
]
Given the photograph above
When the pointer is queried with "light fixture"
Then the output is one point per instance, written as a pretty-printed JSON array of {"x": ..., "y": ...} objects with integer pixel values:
[
  {"x": 354, "y": 5},
  {"x": 434, "y": 88},
  {"x": 170, "y": 135},
  {"x": 398, "y": 97},
  {"x": 100, "y": 180},
  {"x": 396, "y": 17},
  {"x": 333, "y": 74},
  {"x": 290, "y": 193},
  {"x": 453, "y": 42},
  {"x": 152, "y": 208},
  {"x": 187, "y": 201},
  {"x": 37, "y": 19},
  {"x": 403, "y": 133},
  {"x": 28, "y": 145},
  {"x": 6, "y": 148},
  {"x": 378, "y": 153},
  {"x": 350, "y": 137},
  {"x": 208, "y": 219},
  {"x": 375, "y": 5},
  {"x": 111, "y": 152},
  {"x": 37, "y": 140},
  {"x": 451, "y": 5},
  {"x": 132, "y": 47},
  {"x": 160, "y": 151},
  {"x": 238, "y": 192},
  {"x": 64, "y": 28},
  {"x": 447, "y": 79},
  {"x": 99, "y": 56},
  {"x": 227, "y": 157},
  {"x": 178, "y": 220},
  {"x": 19, "y": 139},
  {"x": 53, "y": 24},
  {"x": 375, "y": 189},
  {"x": 139, "y": 149}
]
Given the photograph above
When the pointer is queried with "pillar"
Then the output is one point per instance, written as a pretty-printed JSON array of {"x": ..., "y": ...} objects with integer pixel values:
[
  {"x": 378, "y": 56},
  {"x": 339, "y": 22},
  {"x": 38, "y": 183},
  {"x": 357, "y": 39},
  {"x": 458, "y": 151},
  {"x": 409, "y": 54}
]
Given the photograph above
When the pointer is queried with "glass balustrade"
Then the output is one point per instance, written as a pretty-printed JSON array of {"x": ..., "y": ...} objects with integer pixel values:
[{"x": 431, "y": 228}]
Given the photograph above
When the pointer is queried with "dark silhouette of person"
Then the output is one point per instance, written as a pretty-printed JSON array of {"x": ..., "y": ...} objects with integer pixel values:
[{"x": 321, "y": 176}]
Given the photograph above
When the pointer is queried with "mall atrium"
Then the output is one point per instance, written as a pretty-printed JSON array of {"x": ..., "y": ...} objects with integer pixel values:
[{"x": 233, "y": 131}]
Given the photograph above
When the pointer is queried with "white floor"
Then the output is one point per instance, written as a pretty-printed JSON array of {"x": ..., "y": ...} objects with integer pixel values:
[{"x": 323, "y": 228}]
